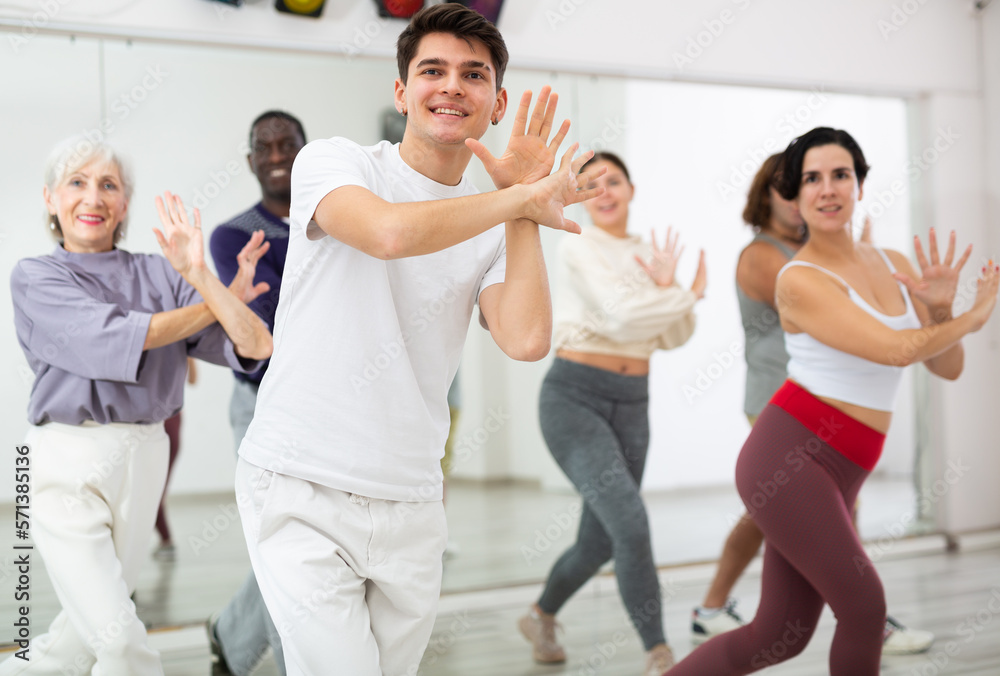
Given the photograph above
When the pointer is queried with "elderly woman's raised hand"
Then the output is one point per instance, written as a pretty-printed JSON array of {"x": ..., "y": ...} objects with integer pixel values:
[{"x": 180, "y": 240}]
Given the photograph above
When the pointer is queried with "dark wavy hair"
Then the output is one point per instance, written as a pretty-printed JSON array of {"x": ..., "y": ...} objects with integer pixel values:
[{"x": 791, "y": 174}]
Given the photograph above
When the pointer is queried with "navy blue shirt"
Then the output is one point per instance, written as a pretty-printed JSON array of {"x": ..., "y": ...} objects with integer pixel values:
[{"x": 227, "y": 241}]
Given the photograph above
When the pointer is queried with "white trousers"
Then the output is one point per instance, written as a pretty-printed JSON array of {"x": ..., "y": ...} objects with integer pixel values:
[
  {"x": 352, "y": 583},
  {"x": 94, "y": 494}
]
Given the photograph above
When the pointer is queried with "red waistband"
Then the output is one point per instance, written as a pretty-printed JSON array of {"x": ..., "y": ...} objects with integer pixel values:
[{"x": 854, "y": 440}]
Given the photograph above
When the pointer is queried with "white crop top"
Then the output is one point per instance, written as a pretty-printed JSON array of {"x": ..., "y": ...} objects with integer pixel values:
[{"x": 827, "y": 372}]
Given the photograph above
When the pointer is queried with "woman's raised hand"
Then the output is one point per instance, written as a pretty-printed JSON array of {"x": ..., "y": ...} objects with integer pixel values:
[
  {"x": 939, "y": 278},
  {"x": 663, "y": 263},
  {"x": 180, "y": 240},
  {"x": 986, "y": 293}
]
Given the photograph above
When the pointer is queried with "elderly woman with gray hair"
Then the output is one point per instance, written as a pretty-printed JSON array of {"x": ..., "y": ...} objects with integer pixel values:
[{"x": 107, "y": 334}]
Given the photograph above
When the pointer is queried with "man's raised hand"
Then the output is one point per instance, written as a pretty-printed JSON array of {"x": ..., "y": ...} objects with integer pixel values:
[
  {"x": 566, "y": 186},
  {"x": 530, "y": 155}
]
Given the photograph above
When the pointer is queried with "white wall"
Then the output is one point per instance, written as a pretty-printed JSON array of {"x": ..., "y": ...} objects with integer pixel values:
[
  {"x": 968, "y": 466},
  {"x": 193, "y": 123},
  {"x": 777, "y": 42}
]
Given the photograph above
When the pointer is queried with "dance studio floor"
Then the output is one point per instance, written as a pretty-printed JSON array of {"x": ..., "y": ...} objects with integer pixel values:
[{"x": 506, "y": 536}]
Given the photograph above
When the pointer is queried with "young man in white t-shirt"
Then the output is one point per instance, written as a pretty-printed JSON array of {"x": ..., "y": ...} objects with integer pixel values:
[{"x": 390, "y": 250}]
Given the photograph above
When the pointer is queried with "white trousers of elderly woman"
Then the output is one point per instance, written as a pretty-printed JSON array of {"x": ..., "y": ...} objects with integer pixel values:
[{"x": 94, "y": 495}]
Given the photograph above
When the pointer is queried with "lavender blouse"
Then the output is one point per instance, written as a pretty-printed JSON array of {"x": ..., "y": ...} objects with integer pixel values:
[{"x": 82, "y": 319}]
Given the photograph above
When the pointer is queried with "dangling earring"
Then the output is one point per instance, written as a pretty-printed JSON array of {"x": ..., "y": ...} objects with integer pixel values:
[{"x": 496, "y": 122}]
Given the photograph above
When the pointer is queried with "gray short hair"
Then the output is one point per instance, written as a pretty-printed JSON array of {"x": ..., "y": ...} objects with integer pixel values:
[{"x": 71, "y": 155}]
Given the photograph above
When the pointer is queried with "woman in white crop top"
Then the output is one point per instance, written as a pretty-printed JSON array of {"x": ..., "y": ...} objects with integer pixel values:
[
  {"x": 616, "y": 302},
  {"x": 853, "y": 316}
]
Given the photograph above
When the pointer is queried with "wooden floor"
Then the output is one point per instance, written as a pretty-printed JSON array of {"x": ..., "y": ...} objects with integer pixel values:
[
  {"x": 506, "y": 538},
  {"x": 955, "y": 595}
]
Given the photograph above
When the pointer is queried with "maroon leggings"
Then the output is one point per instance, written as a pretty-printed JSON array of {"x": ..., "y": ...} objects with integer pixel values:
[
  {"x": 172, "y": 426},
  {"x": 800, "y": 491}
]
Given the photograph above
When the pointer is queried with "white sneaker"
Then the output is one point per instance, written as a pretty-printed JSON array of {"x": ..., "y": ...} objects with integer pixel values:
[
  {"x": 900, "y": 640},
  {"x": 708, "y": 623}
]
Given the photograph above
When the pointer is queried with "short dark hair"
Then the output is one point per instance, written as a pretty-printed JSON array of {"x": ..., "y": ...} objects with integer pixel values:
[
  {"x": 757, "y": 212},
  {"x": 791, "y": 175},
  {"x": 608, "y": 157},
  {"x": 454, "y": 19},
  {"x": 277, "y": 115}
]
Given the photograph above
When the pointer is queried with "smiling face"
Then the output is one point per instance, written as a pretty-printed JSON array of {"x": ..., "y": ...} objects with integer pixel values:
[
  {"x": 609, "y": 211},
  {"x": 89, "y": 204},
  {"x": 829, "y": 188},
  {"x": 450, "y": 92},
  {"x": 274, "y": 143}
]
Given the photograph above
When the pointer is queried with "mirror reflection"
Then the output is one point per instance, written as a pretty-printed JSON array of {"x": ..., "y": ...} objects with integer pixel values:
[{"x": 512, "y": 511}]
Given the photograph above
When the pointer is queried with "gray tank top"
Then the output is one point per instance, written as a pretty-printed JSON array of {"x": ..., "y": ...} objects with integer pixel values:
[{"x": 765, "y": 343}]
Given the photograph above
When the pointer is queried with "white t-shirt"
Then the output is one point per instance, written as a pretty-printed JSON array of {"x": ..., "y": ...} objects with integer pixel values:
[{"x": 355, "y": 397}]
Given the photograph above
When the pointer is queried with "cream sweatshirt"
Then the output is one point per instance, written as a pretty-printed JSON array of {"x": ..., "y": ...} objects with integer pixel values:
[{"x": 604, "y": 303}]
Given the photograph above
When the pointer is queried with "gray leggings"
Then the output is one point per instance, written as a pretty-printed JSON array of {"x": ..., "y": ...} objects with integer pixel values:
[{"x": 596, "y": 426}]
